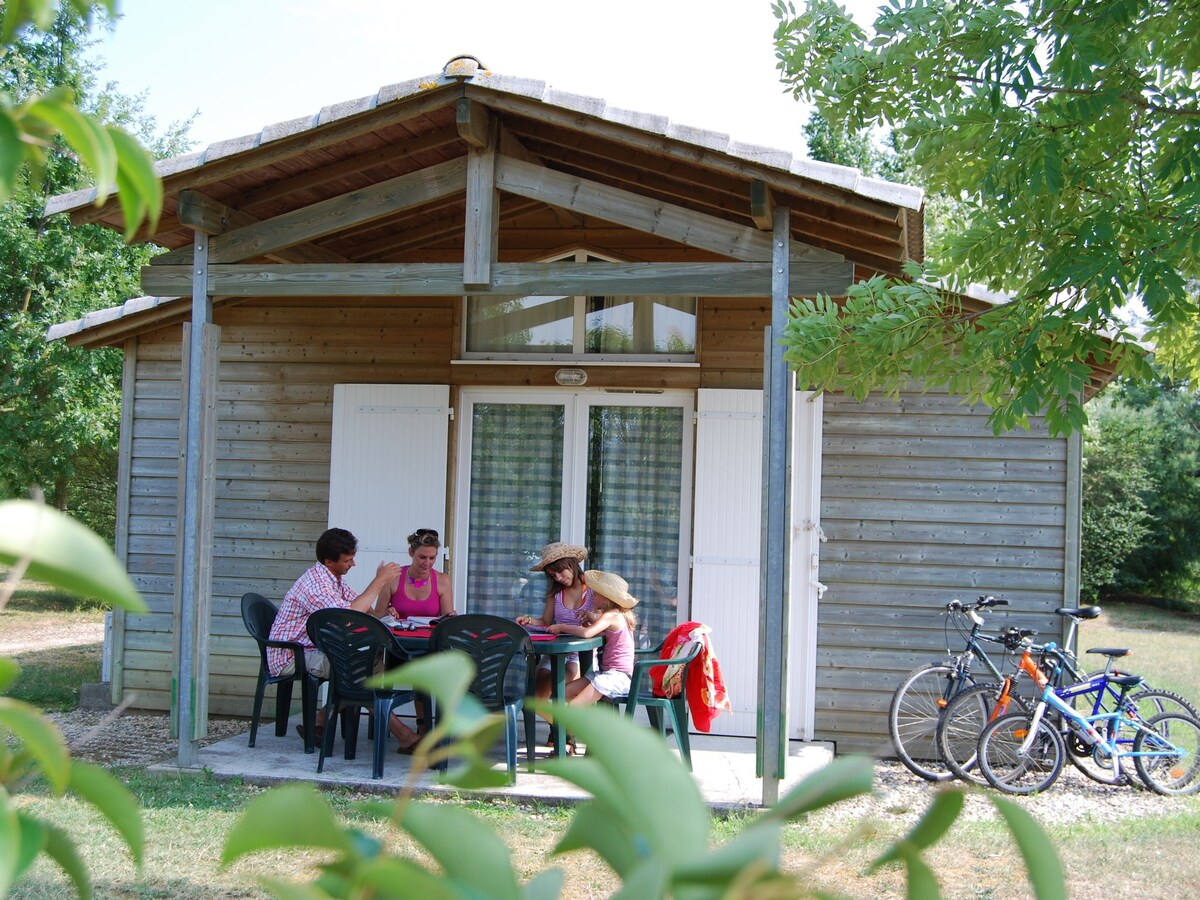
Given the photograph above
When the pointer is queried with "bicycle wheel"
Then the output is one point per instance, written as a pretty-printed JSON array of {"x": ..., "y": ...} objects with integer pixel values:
[
  {"x": 963, "y": 720},
  {"x": 913, "y": 718},
  {"x": 1009, "y": 770},
  {"x": 1098, "y": 765},
  {"x": 1177, "y": 737},
  {"x": 1151, "y": 702}
]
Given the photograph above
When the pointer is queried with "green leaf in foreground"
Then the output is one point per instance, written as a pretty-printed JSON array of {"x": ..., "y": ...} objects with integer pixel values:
[
  {"x": 63, "y": 553},
  {"x": 114, "y": 800},
  {"x": 936, "y": 821},
  {"x": 1041, "y": 861},
  {"x": 60, "y": 848},
  {"x": 846, "y": 777},
  {"x": 922, "y": 884},
  {"x": 40, "y": 738},
  {"x": 287, "y": 817},
  {"x": 445, "y": 831},
  {"x": 9, "y": 671},
  {"x": 641, "y": 773},
  {"x": 10, "y": 843},
  {"x": 31, "y": 842}
]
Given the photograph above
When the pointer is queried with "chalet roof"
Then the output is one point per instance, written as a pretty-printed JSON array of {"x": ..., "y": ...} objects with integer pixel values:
[
  {"x": 844, "y": 177},
  {"x": 423, "y": 126}
]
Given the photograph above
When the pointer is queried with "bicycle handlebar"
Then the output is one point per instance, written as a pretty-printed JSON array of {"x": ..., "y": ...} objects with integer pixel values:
[{"x": 984, "y": 601}]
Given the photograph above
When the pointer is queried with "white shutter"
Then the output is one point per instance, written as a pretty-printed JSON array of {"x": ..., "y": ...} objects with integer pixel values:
[
  {"x": 387, "y": 471},
  {"x": 726, "y": 539}
]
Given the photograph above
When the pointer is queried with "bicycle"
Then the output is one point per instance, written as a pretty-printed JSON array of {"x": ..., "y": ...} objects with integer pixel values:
[
  {"x": 958, "y": 730},
  {"x": 1022, "y": 753},
  {"x": 918, "y": 702}
]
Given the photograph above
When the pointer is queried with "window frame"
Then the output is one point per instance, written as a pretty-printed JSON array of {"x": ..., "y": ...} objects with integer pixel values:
[{"x": 578, "y": 330}]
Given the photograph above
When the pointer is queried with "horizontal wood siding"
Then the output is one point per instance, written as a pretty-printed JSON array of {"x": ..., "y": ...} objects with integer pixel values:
[
  {"x": 279, "y": 361},
  {"x": 278, "y": 364},
  {"x": 921, "y": 503}
]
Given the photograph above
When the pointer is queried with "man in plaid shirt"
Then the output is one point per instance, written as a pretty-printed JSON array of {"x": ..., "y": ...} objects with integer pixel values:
[{"x": 321, "y": 587}]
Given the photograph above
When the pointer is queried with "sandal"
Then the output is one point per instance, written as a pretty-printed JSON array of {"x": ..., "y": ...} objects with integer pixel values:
[{"x": 318, "y": 733}]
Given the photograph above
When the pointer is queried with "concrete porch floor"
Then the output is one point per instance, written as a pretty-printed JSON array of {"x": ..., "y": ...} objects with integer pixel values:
[{"x": 723, "y": 767}]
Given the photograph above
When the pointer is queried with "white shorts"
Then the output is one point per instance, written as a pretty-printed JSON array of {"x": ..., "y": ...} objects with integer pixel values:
[
  {"x": 544, "y": 662},
  {"x": 612, "y": 683}
]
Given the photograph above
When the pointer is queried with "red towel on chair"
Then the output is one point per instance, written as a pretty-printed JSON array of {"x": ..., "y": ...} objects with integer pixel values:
[{"x": 706, "y": 688}]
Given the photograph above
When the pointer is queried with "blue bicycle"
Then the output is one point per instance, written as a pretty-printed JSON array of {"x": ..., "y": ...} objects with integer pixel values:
[{"x": 1024, "y": 752}]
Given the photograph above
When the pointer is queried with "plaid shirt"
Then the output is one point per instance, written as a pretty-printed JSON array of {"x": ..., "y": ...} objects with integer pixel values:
[{"x": 315, "y": 589}]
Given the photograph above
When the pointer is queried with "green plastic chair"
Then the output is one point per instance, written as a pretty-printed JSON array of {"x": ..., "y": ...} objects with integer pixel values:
[{"x": 658, "y": 709}]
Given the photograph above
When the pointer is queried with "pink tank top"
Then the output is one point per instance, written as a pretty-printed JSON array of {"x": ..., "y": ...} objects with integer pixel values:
[
  {"x": 618, "y": 650},
  {"x": 564, "y": 615},
  {"x": 404, "y": 606}
]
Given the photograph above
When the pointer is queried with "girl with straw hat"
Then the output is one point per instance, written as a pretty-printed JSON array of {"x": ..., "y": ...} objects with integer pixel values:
[
  {"x": 567, "y": 599},
  {"x": 614, "y": 619}
]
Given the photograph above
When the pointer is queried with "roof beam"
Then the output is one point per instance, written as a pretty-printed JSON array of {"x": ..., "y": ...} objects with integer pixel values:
[
  {"x": 351, "y": 165},
  {"x": 203, "y": 213},
  {"x": 762, "y": 205},
  {"x": 686, "y": 226},
  {"x": 329, "y": 216},
  {"x": 273, "y": 150},
  {"x": 431, "y": 232},
  {"x": 664, "y": 146},
  {"x": 508, "y": 279}
]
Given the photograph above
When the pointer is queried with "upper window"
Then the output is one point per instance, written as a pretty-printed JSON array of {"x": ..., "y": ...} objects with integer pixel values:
[{"x": 648, "y": 328}]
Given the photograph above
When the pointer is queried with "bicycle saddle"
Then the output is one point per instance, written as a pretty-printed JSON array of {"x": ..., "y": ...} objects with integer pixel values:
[
  {"x": 1126, "y": 681},
  {"x": 1082, "y": 612},
  {"x": 1111, "y": 652}
]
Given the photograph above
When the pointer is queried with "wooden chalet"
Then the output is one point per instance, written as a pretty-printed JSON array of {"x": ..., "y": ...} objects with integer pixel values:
[{"x": 474, "y": 303}]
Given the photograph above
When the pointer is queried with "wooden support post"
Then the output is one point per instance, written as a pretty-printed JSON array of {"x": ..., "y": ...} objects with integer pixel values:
[
  {"x": 481, "y": 238},
  {"x": 195, "y": 522},
  {"x": 774, "y": 568},
  {"x": 474, "y": 123}
]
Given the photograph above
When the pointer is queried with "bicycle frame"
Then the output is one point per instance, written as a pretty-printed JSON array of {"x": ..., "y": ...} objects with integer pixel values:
[
  {"x": 973, "y": 650},
  {"x": 1086, "y": 724}
]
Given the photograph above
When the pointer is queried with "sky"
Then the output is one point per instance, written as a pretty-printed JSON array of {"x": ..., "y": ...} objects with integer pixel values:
[{"x": 243, "y": 64}]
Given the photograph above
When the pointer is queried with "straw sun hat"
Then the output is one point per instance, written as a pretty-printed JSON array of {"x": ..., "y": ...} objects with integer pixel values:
[
  {"x": 614, "y": 587},
  {"x": 556, "y": 551}
]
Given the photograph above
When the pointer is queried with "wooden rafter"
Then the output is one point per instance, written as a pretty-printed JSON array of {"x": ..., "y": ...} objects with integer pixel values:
[
  {"x": 634, "y": 211},
  {"x": 212, "y": 217},
  {"x": 333, "y": 215},
  {"x": 666, "y": 147},
  {"x": 383, "y": 156}
]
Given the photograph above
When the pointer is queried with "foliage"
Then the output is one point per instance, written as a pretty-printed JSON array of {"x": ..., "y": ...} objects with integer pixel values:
[
  {"x": 30, "y": 125},
  {"x": 1115, "y": 487},
  {"x": 1068, "y": 130},
  {"x": 61, "y": 404},
  {"x": 1144, "y": 451},
  {"x": 874, "y": 152},
  {"x": 657, "y": 848},
  {"x": 54, "y": 549}
]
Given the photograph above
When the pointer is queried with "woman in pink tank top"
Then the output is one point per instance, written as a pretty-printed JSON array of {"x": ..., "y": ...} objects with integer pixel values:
[{"x": 421, "y": 590}]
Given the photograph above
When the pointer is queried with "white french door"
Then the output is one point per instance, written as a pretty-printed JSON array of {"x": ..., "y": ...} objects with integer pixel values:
[{"x": 612, "y": 472}]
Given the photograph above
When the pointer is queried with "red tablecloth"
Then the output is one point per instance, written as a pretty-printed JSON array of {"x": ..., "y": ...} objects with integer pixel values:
[{"x": 426, "y": 632}]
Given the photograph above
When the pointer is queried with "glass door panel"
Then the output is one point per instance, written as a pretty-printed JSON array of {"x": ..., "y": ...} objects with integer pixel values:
[
  {"x": 611, "y": 472},
  {"x": 516, "y": 490},
  {"x": 633, "y": 506}
]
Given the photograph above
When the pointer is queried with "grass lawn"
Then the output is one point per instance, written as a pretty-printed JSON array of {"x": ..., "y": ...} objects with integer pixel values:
[{"x": 187, "y": 818}]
